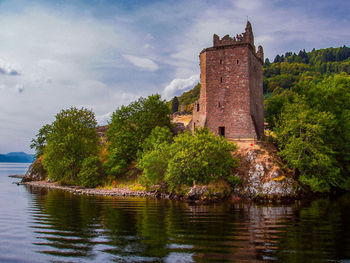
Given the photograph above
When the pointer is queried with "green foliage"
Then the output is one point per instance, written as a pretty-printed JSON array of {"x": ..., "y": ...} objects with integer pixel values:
[
  {"x": 273, "y": 104},
  {"x": 233, "y": 180},
  {"x": 288, "y": 69},
  {"x": 40, "y": 142},
  {"x": 158, "y": 136},
  {"x": 308, "y": 108},
  {"x": 202, "y": 157},
  {"x": 129, "y": 127},
  {"x": 174, "y": 105},
  {"x": 90, "y": 172},
  {"x": 71, "y": 139},
  {"x": 313, "y": 130},
  {"x": 153, "y": 160},
  {"x": 154, "y": 164},
  {"x": 301, "y": 132}
]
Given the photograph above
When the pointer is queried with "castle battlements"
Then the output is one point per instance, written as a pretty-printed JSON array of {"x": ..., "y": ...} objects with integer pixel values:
[{"x": 246, "y": 37}]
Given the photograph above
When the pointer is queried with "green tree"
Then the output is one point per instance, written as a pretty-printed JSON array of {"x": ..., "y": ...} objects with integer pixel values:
[
  {"x": 40, "y": 142},
  {"x": 202, "y": 157},
  {"x": 274, "y": 104},
  {"x": 158, "y": 136},
  {"x": 175, "y": 105},
  {"x": 72, "y": 138},
  {"x": 332, "y": 94},
  {"x": 129, "y": 127},
  {"x": 301, "y": 134},
  {"x": 153, "y": 160}
]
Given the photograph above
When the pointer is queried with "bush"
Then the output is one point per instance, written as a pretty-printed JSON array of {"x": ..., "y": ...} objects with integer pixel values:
[
  {"x": 202, "y": 157},
  {"x": 154, "y": 165},
  {"x": 90, "y": 172},
  {"x": 153, "y": 160}
]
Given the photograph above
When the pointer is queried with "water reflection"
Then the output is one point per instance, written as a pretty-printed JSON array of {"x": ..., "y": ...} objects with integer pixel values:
[{"x": 70, "y": 227}]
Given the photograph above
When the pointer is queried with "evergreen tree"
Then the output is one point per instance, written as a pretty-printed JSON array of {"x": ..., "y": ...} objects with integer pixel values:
[{"x": 175, "y": 105}]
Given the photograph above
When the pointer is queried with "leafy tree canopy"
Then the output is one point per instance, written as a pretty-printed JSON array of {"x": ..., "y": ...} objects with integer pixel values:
[
  {"x": 39, "y": 143},
  {"x": 71, "y": 139},
  {"x": 130, "y": 126}
]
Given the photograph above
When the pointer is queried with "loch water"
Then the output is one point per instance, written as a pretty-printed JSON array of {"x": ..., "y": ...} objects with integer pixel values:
[{"x": 40, "y": 225}]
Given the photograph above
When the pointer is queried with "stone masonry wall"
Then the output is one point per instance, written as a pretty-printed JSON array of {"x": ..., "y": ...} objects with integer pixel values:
[{"x": 256, "y": 93}]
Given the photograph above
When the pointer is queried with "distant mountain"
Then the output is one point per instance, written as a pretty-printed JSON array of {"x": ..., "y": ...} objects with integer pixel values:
[{"x": 17, "y": 157}]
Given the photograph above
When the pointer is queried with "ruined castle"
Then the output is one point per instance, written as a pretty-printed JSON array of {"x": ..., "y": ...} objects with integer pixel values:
[{"x": 231, "y": 97}]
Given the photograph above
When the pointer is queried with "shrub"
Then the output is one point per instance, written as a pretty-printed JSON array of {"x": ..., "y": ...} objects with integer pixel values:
[
  {"x": 154, "y": 165},
  {"x": 90, "y": 172},
  {"x": 202, "y": 157},
  {"x": 153, "y": 160}
]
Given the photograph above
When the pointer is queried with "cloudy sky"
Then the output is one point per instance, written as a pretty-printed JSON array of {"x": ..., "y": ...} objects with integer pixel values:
[{"x": 100, "y": 54}]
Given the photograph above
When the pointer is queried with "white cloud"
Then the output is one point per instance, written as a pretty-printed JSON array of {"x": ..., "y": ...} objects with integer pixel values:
[
  {"x": 8, "y": 69},
  {"x": 142, "y": 62},
  {"x": 104, "y": 119},
  {"x": 64, "y": 61},
  {"x": 179, "y": 85}
]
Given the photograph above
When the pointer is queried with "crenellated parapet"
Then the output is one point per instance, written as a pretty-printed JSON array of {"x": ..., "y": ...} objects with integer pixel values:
[{"x": 246, "y": 37}]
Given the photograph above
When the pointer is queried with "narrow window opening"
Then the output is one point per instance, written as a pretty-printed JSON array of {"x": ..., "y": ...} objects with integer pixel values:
[
  {"x": 237, "y": 61},
  {"x": 194, "y": 126},
  {"x": 197, "y": 106},
  {"x": 222, "y": 131},
  {"x": 221, "y": 80},
  {"x": 219, "y": 104},
  {"x": 220, "y": 61}
]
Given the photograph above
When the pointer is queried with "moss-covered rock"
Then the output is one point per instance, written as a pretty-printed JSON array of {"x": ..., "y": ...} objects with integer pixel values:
[{"x": 36, "y": 171}]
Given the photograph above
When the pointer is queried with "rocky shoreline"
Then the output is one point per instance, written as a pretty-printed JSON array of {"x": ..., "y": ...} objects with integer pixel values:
[
  {"x": 198, "y": 195},
  {"x": 93, "y": 191}
]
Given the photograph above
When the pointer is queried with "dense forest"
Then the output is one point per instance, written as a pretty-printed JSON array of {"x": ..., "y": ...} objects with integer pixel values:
[
  {"x": 286, "y": 70},
  {"x": 307, "y": 108}
]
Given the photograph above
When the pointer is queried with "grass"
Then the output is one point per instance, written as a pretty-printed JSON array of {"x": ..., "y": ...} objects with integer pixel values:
[{"x": 129, "y": 183}]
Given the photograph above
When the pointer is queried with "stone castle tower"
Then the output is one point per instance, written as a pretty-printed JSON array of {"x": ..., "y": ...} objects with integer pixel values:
[{"x": 231, "y": 97}]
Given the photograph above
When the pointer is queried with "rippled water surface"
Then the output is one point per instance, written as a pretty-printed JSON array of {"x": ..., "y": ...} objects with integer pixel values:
[{"x": 37, "y": 225}]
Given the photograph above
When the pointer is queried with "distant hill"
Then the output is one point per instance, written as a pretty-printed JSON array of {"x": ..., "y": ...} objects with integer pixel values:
[
  {"x": 188, "y": 98},
  {"x": 17, "y": 157},
  {"x": 286, "y": 70}
]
